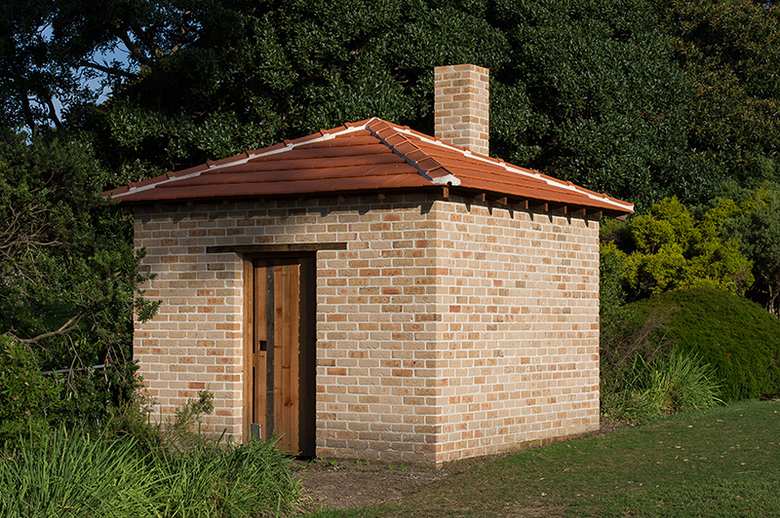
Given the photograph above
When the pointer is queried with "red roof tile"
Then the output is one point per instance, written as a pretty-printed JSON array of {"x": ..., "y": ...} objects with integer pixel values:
[{"x": 359, "y": 158}]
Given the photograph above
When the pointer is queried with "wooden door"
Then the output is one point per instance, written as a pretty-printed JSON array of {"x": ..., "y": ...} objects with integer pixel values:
[{"x": 281, "y": 395}]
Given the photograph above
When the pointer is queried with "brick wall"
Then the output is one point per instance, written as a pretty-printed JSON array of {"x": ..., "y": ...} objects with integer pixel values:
[
  {"x": 518, "y": 295},
  {"x": 445, "y": 329}
]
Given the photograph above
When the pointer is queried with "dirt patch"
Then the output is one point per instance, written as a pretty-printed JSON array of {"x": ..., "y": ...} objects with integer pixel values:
[{"x": 347, "y": 484}]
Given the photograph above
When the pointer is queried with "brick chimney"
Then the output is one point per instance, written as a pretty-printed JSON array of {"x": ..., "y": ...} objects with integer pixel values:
[{"x": 461, "y": 109}]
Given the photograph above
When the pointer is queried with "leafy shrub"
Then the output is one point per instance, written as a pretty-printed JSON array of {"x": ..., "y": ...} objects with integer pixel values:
[
  {"x": 736, "y": 337},
  {"x": 28, "y": 399},
  {"x": 612, "y": 294},
  {"x": 180, "y": 433},
  {"x": 68, "y": 271},
  {"x": 669, "y": 248}
]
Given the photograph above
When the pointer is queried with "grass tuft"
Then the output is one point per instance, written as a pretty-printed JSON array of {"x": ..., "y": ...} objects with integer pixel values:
[
  {"x": 81, "y": 475},
  {"x": 679, "y": 383},
  {"x": 65, "y": 474}
]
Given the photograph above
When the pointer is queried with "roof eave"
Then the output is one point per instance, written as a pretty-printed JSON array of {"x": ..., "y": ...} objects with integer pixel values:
[{"x": 496, "y": 198}]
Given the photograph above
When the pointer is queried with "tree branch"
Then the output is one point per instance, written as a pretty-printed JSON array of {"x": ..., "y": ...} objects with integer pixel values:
[
  {"x": 148, "y": 40},
  {"x": 67, "y": 327},
  {"x": 27, "y": 109},
  {"x": 53, "y": 113},
  {"x": 108, "y": 70},
  {"x": 134, "y": 50}
]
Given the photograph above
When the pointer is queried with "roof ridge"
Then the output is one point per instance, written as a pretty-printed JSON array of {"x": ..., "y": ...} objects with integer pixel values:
[{"x": 402, "y": 146}]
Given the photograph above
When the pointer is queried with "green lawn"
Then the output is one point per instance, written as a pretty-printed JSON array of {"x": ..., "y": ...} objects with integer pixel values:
[{"x": 722, "y": 462}]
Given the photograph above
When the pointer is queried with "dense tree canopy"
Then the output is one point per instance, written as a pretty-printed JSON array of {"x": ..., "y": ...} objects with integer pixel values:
[
  {"x": 755, "y": 222},
  {"x": 642, "y": 99}
]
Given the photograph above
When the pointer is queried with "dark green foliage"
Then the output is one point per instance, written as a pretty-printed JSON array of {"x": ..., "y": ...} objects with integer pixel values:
[
  {"x": 731, "y": 52},
  {"x": 612, "y": 293},
  {"x": 68, "y": 272},
  {"x": 639, "y": 99},
  {"x": 28, "y": 399},
  {"x": 611, "y": 105},
  {"x": 736, "y": 337},
  {"x": 756, "y": 225},
  {"x": 586, "y": 91}
]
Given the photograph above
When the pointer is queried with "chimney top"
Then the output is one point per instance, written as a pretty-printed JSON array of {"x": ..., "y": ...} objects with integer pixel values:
[{"x": 461, "y": 106}]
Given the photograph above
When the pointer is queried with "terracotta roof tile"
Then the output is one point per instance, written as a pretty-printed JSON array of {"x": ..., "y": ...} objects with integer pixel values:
[{"x": 359, "y": 158}]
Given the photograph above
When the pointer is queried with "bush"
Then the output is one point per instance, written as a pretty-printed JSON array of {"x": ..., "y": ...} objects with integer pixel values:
[
  {"x": 669, "y": 248},
  {"x": 28, "y": 399},
  {"x": 738, "y": 338},
  {"x": 68, "y": 271},
  {"x": 626, "y": 339}
]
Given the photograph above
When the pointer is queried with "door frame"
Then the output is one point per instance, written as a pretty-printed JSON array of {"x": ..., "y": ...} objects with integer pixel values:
[{"x": 307, "y": 358}]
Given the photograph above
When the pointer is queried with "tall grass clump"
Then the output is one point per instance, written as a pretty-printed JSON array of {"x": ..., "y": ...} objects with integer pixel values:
[
  {"x": 225, "y": 481},
  {"x": 75, "y": 475},
  {"x": 135, "y": 468},
  {"x": 205, "y": 476},
  {"x": 670, "y": 385}
]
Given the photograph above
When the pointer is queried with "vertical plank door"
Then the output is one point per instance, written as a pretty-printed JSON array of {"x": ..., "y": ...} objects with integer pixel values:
[{"x": 282, "y": 361}]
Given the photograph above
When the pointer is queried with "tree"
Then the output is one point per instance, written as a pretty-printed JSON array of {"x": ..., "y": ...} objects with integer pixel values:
[
  {"x": 731, "y": 52},
  {"x": 51, "y": 50},
  {"x": 615, "y": 104},
  {"x": 68, "y": 272},
  {"x": 591, "y": 91},
  {"x": 259, "y": 74},
  {"x": 757, "y": 227},
  {"x": 586, "y": 91}
]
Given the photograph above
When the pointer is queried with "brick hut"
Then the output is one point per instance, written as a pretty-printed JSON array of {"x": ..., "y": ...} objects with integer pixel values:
[{"x": 371, "y": 292}]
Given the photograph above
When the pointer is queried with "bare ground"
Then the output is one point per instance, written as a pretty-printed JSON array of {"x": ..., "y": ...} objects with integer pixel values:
[
  {"x": 347, "y": 484},
  {"x": 329, "y": 484}
]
